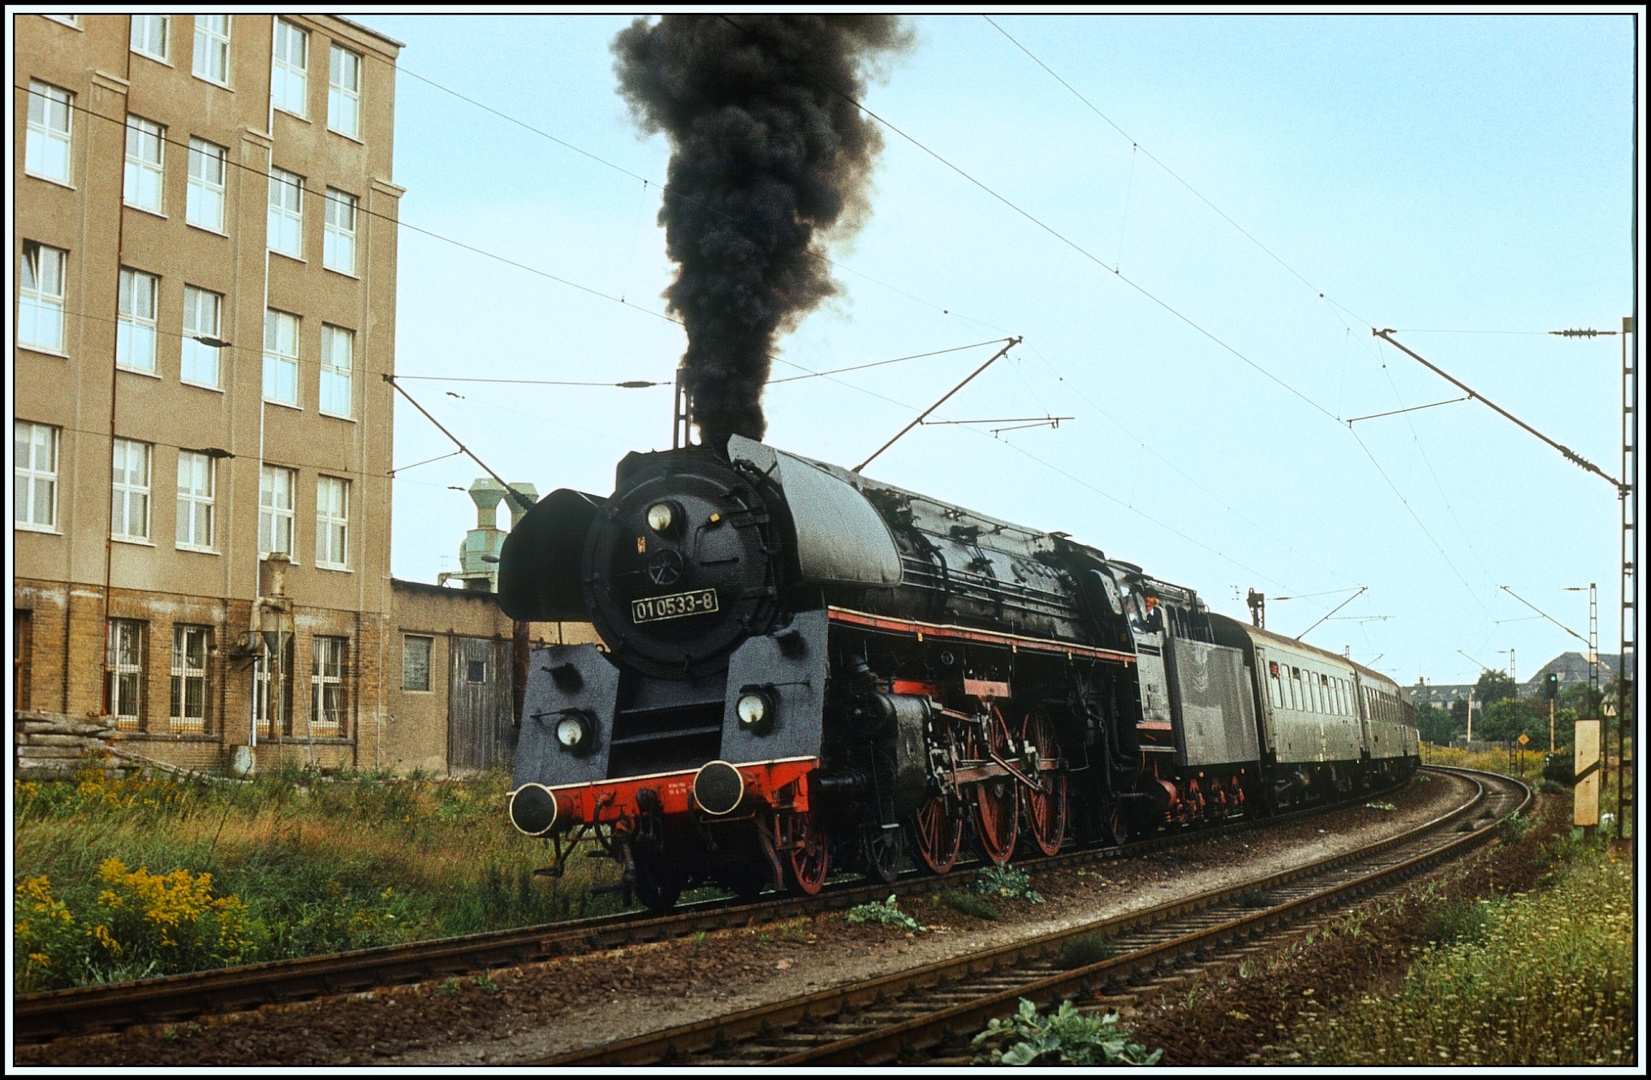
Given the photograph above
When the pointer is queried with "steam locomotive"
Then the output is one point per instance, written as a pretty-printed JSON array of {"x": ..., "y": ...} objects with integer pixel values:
[{"x": 803, "y": 670}]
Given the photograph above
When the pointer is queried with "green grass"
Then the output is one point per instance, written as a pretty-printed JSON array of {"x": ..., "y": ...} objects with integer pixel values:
[
  {"x": 1086, "y": 949},
  {"x": 322, "y": 864},
  {"x": 1539, "y": 980},
  {"x": 970, "y": 904}
]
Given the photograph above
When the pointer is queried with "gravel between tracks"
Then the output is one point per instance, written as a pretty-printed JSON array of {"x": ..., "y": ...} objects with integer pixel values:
[{"x": 538, "y": 1010}]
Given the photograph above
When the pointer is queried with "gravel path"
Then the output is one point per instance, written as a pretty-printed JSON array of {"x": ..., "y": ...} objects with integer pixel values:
[{"x": 522, "y": 1014}]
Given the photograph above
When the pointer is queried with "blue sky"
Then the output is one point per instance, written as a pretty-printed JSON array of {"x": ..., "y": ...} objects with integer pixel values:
[{"x": 1466, "y": 180}]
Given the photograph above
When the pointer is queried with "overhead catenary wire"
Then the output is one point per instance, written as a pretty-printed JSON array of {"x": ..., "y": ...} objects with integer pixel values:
[{"x": 944, "y": 310}]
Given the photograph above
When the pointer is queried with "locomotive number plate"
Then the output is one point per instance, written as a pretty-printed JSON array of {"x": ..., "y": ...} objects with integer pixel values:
[{"x": 675, "y": 606}]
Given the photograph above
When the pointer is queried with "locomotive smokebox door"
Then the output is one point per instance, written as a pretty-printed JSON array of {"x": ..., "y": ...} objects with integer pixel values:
[
  {"x": 776, "y": 692},
  {"x": 567, "y": 717}
]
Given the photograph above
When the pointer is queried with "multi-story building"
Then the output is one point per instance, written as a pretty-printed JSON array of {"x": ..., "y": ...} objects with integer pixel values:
[{"x": 205, "y": 248}]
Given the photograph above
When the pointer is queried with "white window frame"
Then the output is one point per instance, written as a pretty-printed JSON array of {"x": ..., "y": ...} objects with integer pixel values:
[
  {"x": 137, "y": 333},
  {"x": 123, "y": 665},
  {"x": 276, "y": 518},
  {"x": 428, "y": 644},
  {"x": 130, "y": 489},
  {"x": 337, "y": 365},
  {"x": 329, "y": 697},
  {"x": 343, "y": 98},
  {"x": 66, "y": 20},
  {"x": 332, "y": 522},
  {"x": 338, "y": 234},
  {"x": 189, "y": 661},
  {"x": 204, "y": 199},
  {"x": 145, "y": 179},
  {"x": 46, "y": 142},
  {"x": 286, "y": 213},
  {"x": 197, "y": 484},
  {"x": 281, "y": 336},
  {"x": 203, "y": 314},
  {"x": 39, "y": 310},
  {"x": 262, "y": 716},
  {"x": 144, "y": 31},
  {"x": 34, "y": 475},
  {"x": 288, "y": 75},
  {"x": 210, "y": 43}
]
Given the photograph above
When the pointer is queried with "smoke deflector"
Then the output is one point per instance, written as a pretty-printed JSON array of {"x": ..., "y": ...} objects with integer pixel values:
[{"x": 841, "y": 539}]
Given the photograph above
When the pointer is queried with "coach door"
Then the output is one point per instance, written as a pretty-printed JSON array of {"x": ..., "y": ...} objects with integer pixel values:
[{"x": 480, "y": 734}]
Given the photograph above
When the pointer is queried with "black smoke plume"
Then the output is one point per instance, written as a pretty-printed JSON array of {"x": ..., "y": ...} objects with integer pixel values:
[{"x": 769, "y": 159}]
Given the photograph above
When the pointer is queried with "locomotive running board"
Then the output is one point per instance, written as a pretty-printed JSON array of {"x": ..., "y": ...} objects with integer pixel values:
[{"x": 1013, "y": 642}]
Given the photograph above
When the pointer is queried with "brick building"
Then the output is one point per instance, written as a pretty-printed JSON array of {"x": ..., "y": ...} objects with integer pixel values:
[{"x": 205, "y": 242}]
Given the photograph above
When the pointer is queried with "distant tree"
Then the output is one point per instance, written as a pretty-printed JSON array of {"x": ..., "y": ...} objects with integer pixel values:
[
  {"x": 1438, "y": 726},
  {"x": 1510, "y": 718},
  {"x": 1459, "y": 715},
  {"x": 1581, "y": 698},
  {"x": 1493, "y": 686}
]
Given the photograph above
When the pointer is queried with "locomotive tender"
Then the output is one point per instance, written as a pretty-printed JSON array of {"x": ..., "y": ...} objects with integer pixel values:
[{"x": 804, "y": 668}]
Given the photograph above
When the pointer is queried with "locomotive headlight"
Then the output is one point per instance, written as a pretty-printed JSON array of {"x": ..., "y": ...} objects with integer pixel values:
[
  {"x": 573, "y": 732},
  {"x": 661, "y": 518},
  {"x": 755, "y": 710}
]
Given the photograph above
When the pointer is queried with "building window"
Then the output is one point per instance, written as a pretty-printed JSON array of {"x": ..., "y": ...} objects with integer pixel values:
[
  {"x": 46, "y": 147},
  {"x": 129, "y": 514},
  {"x": 286, "y": 213},
  {"x": 332, "y": 520},
  {"x": 212, "y": 48},
  {"x": 204, "y": 204},
  {"x": 124, "y": 684},
  {"x": 338, "y": 238},
  {"x": 66, "y": 20},
  {"x": 145, "y": 151},
  {"x": 415, "y": 662},
  {"x": 344, "y": 92},
  {"x": 281, "y": 357},
  {"x": 149, "y": 35},
  {"x": 40, "y": 297},
  {"x": 269, "y": 725},
  {"x": 34, "y": 476},
  {"x": 202, "y": 318},
  {"x": 327, "y": 699},
  {"x": 288, "y": 83},
  {"x": 189, "y": 679},
  {"x": 275, "y": 488},
  {"x": 135, "y": 334},
  {"x": 337, "y": 349},
  {"x": 195, "y": 487}
]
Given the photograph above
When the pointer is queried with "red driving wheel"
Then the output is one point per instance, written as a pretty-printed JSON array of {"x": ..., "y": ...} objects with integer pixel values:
[
  {"x": 1045, "y": 807},
  {"x": 997, "y": 803}
]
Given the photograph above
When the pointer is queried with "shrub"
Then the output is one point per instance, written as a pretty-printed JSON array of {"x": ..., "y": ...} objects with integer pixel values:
[
  {"x": 1514, "y": 828},
  {"x": 1065, "y": 1037},
  {"x": 888, "y": 913},
  {"x": 1457, "y": 920},
  {"x": 1007, "y": 881},
  {"x": 969, "y": 904},
  {"x": 1086, "y": 949}
]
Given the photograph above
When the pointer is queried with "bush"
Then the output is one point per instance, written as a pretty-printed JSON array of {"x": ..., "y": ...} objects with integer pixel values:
[
  {"x": 1066, "y": 1037},
  {"x": 888, "y": 913},
  {"x": 1457, "y": 920},
  {"x": 139, "y": 925},
  {"x": 1514, "y": 828},
  {"x": 1007, "y": 881},
  {"x": 1086, "y": 949},
  {"x": 969, "y": 904}
]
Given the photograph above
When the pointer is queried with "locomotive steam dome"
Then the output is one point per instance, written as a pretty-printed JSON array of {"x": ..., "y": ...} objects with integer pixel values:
[{"x": 679, "y": 566}]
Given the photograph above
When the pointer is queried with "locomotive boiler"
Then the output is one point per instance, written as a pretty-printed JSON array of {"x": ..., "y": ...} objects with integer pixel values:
[{"x": 803, "y": 669}]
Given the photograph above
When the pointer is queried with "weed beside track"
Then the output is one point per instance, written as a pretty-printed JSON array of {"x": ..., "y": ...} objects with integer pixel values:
[{"x": 118, "y": 879}]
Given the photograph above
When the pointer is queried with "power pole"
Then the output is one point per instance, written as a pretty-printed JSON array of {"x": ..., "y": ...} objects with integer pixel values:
[{"x": 1627, "y": 632}]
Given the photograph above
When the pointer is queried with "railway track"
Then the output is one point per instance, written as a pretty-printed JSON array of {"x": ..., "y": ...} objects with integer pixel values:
[
  {"x": 112, "y": 1007},
  {"x": 927, "y": 1015}
]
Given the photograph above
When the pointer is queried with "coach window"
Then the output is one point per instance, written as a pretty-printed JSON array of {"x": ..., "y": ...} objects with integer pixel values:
[{"x": 1273, "y": 689}]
